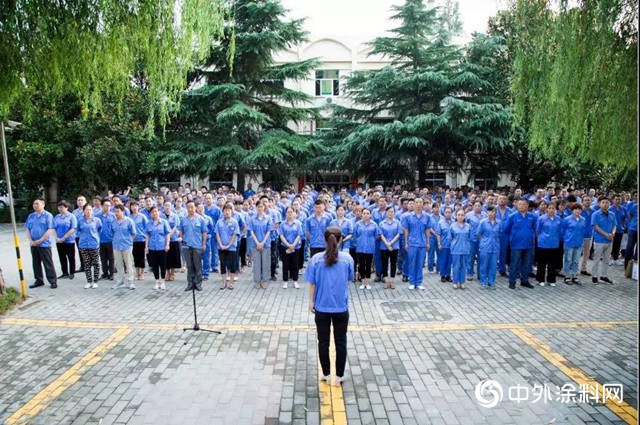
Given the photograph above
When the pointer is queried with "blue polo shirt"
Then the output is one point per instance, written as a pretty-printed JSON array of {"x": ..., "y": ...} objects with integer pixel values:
[
  {"x": 210, "y": 224},
  {"x": 573, "y": 231},
  {"x": 489, "y": 236},
  {"x": 331, "y": 282},
  {"x": 460, "y": 238},
  {"x": 192, "y": 229},
  {"x": 174, "y": 220},
  {"x": 89, "y": 233},
  {"x": 63, "y": 223},
  {"x": 389, "y": 229},
  {"x": 122, "y": 234},
  {"x": 549, "y": 231},
  {"x": 587, "y": 213},
  {"x": 316, "y": 228},
  {"x": 366, "y": 235},
  {"x": 140, "y": 221},
  {"x": 213, "y": 212},
  {"x": 417, "y": 226},
  {"x": 620, "y": 214},
  {"x": 157, "y": 232},
  {"x": 260, "y": 226},
  {"x": 632, "y": 215},
  {"x": 521, "y": 230},
  {"x": 290, "y": 231},
  {"x": 226, "y": 229},
  {"x": 474, "y": 220},
  {"x": 606, "y": 222},
  {"x": 346, "y": 227},
  {"x": 79, "y": 214},
  {"x": 444, "y": 230},
  {"x": 106, "y": 234},
  {"x": 38, "y": 225}
]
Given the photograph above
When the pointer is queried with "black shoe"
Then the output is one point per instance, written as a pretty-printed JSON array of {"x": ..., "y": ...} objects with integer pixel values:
[
  {"x": 405, "y": 279},
  {"x": 449, "y": 279},
  {"x": 594, "y": 280},
  {"x": 443, "y": 279},
  {"x": 575, "y": 281},
  {"x": 273, "y": 278},
  {"x": 527, "y": 285},
  {"x": 512, "y": 286},
  {"x": 532, "y": 274},
  {"x": 606, "y": 280},
  {"x": 36, "y": 284},
  {"x": 503, "y": 274},
  {"x": 188, "y": 288},
  {"x": 198, "y": 286},
  {"x": 585, "y": 273},
  {"x": 63, "y": 276},
  {"x": 110, "y": 277},
  {"x": 71, "y": 276},
  {"x": 54, "y": 285}
]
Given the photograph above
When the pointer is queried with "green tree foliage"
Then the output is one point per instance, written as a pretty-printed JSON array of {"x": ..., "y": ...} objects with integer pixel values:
[
  {"x": 429, "y": 107},
  {"x": 237, "y": 119},
  {"x": 575, "y": 80},
  {"x": 92, "y": 49}
]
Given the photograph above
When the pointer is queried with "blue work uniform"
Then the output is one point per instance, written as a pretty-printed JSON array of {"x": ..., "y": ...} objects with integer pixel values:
[{"x": 489, "y": 249}]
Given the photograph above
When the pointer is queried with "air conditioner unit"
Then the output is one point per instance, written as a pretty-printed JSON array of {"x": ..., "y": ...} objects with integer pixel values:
[{"x": 328, "y": 99}]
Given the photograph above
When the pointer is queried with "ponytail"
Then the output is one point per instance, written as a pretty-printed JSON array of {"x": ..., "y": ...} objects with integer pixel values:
[{"x": 332, "y": 237}]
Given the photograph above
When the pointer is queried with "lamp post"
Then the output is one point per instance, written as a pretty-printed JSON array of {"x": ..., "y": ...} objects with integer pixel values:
[{"x": 16, "y": 241}]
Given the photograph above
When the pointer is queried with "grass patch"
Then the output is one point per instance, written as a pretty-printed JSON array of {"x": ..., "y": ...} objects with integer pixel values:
[{"x": 10, "y": 298}]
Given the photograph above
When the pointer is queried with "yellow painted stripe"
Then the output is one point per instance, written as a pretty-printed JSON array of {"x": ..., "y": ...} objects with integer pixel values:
[
  {"x": 332, "y": 410},
  {"x": 625, "y": 411},
  {"x": 51, "y": 392},
  {"x": 309, "y": 328}
]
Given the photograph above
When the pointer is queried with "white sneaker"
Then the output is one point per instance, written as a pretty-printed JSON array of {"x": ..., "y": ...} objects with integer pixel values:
[
  {"x": 368, "y": 286},
  {"x": 87, "y": 285},
  {"x": 285, "y": 285},
  {"x": 157, "y": 286},
  {"x": 94, "y": 285},
  {"x": 339, "y": 380},
  {"x": 162, "y": 285},
  {"x": 541, "y": 283},
  {"x": 326, "y": 378},
  {"x": 611, "y": 262},
  {"x": 362, "y": 286},
  {"x": 235, "y": 278},
  {"x": 411, "y": 286},
  {"x": 132, "y": 285},
  {"x": 295, "y": 285},
  {"x": 619, "y": 262},
  {"x": 422, "y": 288},
  {"x": 552, "y": 284}
]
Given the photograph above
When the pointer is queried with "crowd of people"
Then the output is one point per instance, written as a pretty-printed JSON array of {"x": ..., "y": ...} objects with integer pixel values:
[{"x": 390, "y": 233}]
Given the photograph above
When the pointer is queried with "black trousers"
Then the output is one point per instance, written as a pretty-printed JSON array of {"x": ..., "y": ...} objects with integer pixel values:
[
  {"x": 242, "y": 252},
  {"x": 227, "y": 261},
  {"x": 547, "y": 262},
  {"x": 615, "y": 248},
  {"x": 67, "y": 257},
  {"x": 42, "y": 256},
  {"x": 389, "y": 258},
  {"x": 290, "y": 266},
  {"x": 158, "y": 263},
  {"x": 303, "y": 243},
  {"x": 173, "y": 256},
  {"x": 106, "y": 259},
  {"x": 354, "y": 256},
  {"x": 274, "y": 258},
  {"x": 138, "y": 255},
  {"x": 340, "y": 323},
  {"x": 364, "y": 265}
]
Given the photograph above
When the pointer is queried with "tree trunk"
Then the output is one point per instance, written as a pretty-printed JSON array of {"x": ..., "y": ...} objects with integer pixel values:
[
  {"x": 241, "y": 177},
  {"x": 421, "y": 164},
  {"x": 52, "y": 193}
]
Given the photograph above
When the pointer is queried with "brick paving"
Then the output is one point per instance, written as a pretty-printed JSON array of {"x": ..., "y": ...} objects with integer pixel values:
[{"x": 410, "y": 360}]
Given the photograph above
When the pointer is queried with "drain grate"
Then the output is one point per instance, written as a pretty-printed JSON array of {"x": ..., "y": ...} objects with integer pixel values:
[{"x": 414, "y": 311}]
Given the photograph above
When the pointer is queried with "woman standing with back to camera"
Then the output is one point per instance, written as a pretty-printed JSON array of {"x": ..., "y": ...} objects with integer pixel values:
[{"x": 328, "y": 274}]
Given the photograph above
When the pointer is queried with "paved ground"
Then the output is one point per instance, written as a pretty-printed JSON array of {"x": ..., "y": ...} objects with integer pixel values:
[{"x": 103, "y": 356}]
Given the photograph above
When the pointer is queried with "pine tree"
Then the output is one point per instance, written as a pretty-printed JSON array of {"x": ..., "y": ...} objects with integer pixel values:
[
  {"x": 238, "y": 119},
  {"x": 427, "y": 108}
]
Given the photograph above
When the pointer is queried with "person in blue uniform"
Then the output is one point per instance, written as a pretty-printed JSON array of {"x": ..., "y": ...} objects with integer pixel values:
[
  {"x": 65, "y": 224},
  {"x": 227, "y": 232},
  {"x": 520, "y": 228},
  {"x": 193, "y": 231},
  {"x": 502, "y": 213},
  {"x": 390, "y": 234},
  {"x": 314, "y": 228},
  {"x": 549, "y": 233},
  {"x": 106, "y": 239},
  {"x": 290, "y": 231},
  {"x": 173, "y": 255},
  {"x": 604, "y": 229},
  {"x": 345, "y": 225},
  {"x": 365, "y": 232},
  {"x": 39, "y": 226},
  {"x": 416, "y": 228},
  {"x": 140, "y": 220},
  {"x": 433, "y": 254},
  {"x": 260, "y": 228},
  {"x": 124, "y": 232},
  {"x": 460, "y": 236},
  {"x": 211, "y": 253},
  {"x": 328, "y": 274},
  {"x": 572, "y": 236},
  {"x": 631, "y": 249},
  {"x": 473, "y": 218},
  {"x": 89, "y": 228},
  {"x": 444, "y": 249},
  {"x": 488, "y": 232}
]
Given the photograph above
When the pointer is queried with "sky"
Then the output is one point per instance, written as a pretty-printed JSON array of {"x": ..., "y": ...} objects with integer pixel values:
[{"x": 366, "y": 19}]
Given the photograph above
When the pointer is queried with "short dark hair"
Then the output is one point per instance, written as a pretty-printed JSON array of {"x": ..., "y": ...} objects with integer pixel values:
[
  {"x": 119, "y": 207},
  {"x": 63, "y": 203}
]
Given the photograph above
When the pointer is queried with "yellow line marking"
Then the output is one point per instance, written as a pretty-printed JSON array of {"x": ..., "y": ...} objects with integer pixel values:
[
  {"x": 44, "y": 398},
  {"x": 332, "y": 410},
  {"x": 309, "y": 328},
  {"x": 625, "y": 411}
]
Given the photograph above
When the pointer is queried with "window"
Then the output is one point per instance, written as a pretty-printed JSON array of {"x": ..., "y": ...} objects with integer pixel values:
[
  {"x": 327, "y": 82},
  {"x": 323, "y": 124},
  {"x": 435, "y": 179}
]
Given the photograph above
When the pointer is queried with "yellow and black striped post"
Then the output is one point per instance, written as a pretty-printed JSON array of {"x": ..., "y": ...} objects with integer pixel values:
[{"x": 16, "y": 241}]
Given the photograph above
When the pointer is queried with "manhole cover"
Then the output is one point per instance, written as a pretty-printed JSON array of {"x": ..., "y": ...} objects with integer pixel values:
[{"x": 414, "y": 311}]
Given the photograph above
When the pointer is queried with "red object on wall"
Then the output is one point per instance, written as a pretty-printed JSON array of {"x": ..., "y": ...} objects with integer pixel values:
[
  {"x": 301, "y": 183},
  {"x": 354, "y": 183}
]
